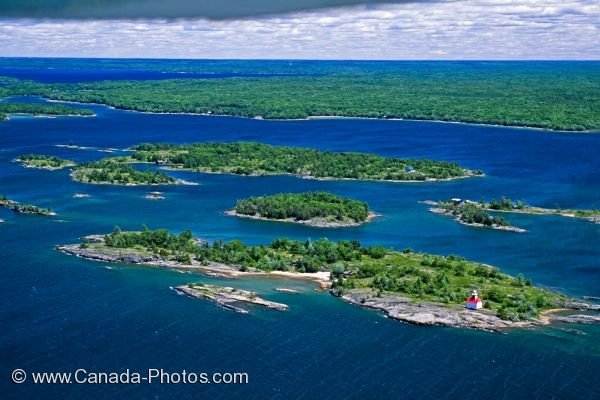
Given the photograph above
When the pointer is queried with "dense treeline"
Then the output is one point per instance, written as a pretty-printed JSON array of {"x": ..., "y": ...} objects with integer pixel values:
[
  {"x": 505, "y": 204},
  {"x": 304, "y": 206},
  {"x": 444, "y": 279},
  {"x": 43, "y": 161},
  {"x": 114, "y": 172},
  {"x": 39, "y": 109},
  {"x": 546, "y": 95},
  {"x": 282, "y": 254},
  {"x": 421, "y": 276},
  {"x": 256, "y": 158}
]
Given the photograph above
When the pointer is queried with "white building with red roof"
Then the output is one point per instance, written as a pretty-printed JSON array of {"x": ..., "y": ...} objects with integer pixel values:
[{"x": 474, "y": 302}]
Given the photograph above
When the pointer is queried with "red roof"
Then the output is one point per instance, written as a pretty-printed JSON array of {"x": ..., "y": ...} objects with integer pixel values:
[{"x": 473, "y": 300}]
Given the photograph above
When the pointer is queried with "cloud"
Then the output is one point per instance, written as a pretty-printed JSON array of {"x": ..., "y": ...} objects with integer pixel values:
[
  {"x": 134, "y": 9},
  {"x": 469, "y": 29}
]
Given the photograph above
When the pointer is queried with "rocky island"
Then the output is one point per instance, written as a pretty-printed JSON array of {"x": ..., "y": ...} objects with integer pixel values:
[
  {"x": 287, "y": 291},
  {"x": 472, "y": 214},
  {"x": 428, "y": 289},
  {"x": 248, "y": 158},
  {"x": 22, "y": 208},
  {"x": 413, "y": 287},
  {"x": 510, "y": 206},
  {"x": 319, "y": 209},
  {"x": 44, "y": 162},
  {"x": 228, "y": 297},
  {"x": 114, "y": 172},
  {"x": 155, "y": 196}
]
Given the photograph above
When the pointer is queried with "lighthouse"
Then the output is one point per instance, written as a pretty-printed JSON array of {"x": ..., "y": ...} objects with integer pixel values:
[{"x": 474, "y": 302}]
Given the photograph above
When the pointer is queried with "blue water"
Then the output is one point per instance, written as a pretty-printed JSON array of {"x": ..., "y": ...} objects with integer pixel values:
[
  {"x": 65, "y": 70},
  {"x": 68, "y": 70},
  {"x": 68, "y": 75},
  {"x": 61, "y": 313}
]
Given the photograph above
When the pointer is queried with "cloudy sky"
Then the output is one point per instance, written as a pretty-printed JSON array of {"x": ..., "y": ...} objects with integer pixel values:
[{"x": 447, "y": 29}]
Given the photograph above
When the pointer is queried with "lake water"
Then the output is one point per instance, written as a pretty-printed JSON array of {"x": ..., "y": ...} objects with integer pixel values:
[{"x": 60, "y": 313}]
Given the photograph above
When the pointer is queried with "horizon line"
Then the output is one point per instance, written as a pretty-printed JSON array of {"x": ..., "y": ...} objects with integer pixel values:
[{"x": 315, "y": 59}]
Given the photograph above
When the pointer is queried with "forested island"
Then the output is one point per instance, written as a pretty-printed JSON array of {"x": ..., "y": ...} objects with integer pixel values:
[
  {"x": 23, "y": 208},
  {"x": 249, "y": 158},
  {"x": 472, "y": 214},
  {"x": 319, "y": 209},
  {"x": 7, "y": 108},
  {"x": 414, "y": 287},
  {"x": 562, "y": 96},
  {"x": 44, "y": 162},
  {"x": 476, "y": 212},
  {"x": 508, "y": 205},
  {"x": 114, "y": 172}
]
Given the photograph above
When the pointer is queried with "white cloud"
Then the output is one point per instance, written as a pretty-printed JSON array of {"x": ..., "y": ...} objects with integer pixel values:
[{"x": 473, "y": 29}]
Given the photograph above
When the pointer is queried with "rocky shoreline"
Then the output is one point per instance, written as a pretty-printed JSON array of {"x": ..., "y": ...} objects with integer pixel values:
[
  {"x": 587, "y": 215},
  {"x": 468, "y": 174},
  {"x": 134, "y": 256},
  {"x": 228, "y": 297},
  {"x": 549, "y": 211},
  {"x": 287, "y": 291},
  {"x": 424, "y": 313},
  {"x": 441, "y": 211},
  {"x": 76, "y": 177},
  {"x": 36, "y": 165},
  {"x": 154, "y": 196},
  {"x": 315, "y": 222},
  {"x": 395, "y": 306},
  {"x": 21, "y": 208}
]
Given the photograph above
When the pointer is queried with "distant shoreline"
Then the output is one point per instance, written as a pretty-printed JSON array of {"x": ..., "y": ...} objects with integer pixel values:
[{"x": 322, "y": 117}]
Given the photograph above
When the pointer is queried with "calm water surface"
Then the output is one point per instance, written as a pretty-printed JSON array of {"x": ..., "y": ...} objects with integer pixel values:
[{"x": 61, "y": 313}]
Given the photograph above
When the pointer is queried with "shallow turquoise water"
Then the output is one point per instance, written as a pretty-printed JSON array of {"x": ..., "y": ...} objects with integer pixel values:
[{"x": 63, "y": 313}]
